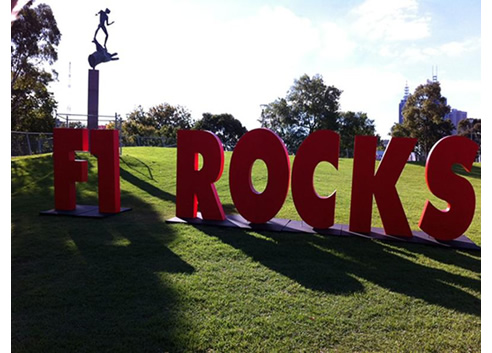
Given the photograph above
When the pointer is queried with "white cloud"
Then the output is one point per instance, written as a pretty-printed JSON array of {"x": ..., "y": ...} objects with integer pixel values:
[
  {"x": 373, "y": 90},
  {"x": 390, "y": 20},
  {"x": 456, "y": 48},
  {"x": 416, "y": 54},
  {"x": 335, "y": 42}
]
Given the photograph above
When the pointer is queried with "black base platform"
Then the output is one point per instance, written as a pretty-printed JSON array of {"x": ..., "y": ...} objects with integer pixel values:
[
  {"x": 87, "y": 211},
  {"x": 340, "y": 230}
]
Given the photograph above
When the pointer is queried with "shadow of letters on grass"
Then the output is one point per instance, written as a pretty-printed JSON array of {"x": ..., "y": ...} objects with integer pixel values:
[{"x": 334, "y": 265}]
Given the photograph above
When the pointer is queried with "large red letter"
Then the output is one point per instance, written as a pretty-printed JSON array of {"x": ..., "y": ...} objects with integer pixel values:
[
  {"x": 68, "y": 170},
  {"x": 452, "y": 222},
  {"x": 104, "y": 145},
  {"x": 317, "y": 211},
  {"x": 265, "y": 145},
  {"x": 382, "y": 185},
  {"x": 195, "y": 186}
]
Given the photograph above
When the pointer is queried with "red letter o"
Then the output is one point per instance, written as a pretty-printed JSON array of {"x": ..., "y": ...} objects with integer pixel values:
[{"x": 265, "y": 145}]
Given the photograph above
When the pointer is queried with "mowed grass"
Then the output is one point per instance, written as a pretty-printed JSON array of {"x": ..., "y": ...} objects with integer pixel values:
[{"x": 134, "y": 283}]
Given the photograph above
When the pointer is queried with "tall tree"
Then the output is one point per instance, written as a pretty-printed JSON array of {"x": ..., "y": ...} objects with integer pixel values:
[
  {"x": 309, "y": 105},
  {"x": 423, "y": 117},
  {"x": 225, "y": 126},
  {"x": 350, "y": 125},
  {"x": 34, "y": 40}
]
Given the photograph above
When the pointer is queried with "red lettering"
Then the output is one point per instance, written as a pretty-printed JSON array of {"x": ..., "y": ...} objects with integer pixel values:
[
  {"x": 68, "y": 170},
  {"x": 317, "y": 211},
  {"x": 105, "y": 145},
  {"x": 382, "y": 185},
  {"x": 195, "y": 186},
  {"x": 452, "y": 222},
  {"x": 265, "y": 145}
]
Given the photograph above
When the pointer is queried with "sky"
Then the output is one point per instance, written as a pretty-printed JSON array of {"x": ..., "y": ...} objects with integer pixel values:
[{"x": 233, "y": 56}]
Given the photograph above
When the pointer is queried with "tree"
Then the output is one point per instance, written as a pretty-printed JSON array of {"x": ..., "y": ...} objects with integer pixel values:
[
  {"x": 137, "y": 124},
  {"x": 423, "y": 118},
  {"x": 34, "y": 40},
  {"x": 278, "y": 117},
  {"x": 163, "y": 120},
  {"x": 350, "y": 125},
  {"x": 471, "y": 128},
  {"x": 169, "y": 119},
  {"x": 225, "y": 126},
  {"x": 310, "y": 105}
]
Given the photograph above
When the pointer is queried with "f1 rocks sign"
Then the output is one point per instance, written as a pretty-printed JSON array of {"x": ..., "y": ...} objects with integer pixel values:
[{"x": 196, "y": 185}]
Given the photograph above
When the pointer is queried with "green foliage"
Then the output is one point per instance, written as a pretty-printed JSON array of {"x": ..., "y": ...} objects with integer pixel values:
[
  {"x": 310, "y": 105},
  {"x": 353, "y": 124},
  {"x": 423, "y": 118},
  {"x": 135, "y": 283},
  {"x": 227, "y": 128},
  {"x": 162, "y": 120},
  {"x": 34, "y": 38},
  {"x": 471, "y": 128}
]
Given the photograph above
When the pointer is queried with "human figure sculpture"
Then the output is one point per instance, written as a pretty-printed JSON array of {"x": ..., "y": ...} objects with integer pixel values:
[
  {"x": 103, "y": 21},
  {"x": 101, "y": 55}
]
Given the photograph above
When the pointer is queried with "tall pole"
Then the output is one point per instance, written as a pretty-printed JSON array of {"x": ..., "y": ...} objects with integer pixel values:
[{"x": 93, "y": 101}]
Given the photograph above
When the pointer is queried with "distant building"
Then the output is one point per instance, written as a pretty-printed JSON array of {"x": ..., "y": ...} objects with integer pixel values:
[
  {"x": 402, "y": 104},
  {"x": 455, "y": 116}
]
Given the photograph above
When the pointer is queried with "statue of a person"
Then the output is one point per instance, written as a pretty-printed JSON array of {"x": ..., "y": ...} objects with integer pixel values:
[{"x": 103, "y": 21}]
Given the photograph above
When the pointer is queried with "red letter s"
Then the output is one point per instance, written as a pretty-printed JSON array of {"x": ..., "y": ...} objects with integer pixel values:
[{"x": 452, "y": 222}]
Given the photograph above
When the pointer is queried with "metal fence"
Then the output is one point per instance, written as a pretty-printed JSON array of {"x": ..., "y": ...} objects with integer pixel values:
[
  {"x": 29, "y": 143},
  {"x": 150, "y": 141}
]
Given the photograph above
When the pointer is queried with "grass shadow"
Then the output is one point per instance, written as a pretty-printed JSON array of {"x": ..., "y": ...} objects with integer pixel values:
[
  {"x": 332, "y": 265},
  {"x": 476, "y": 171},
  {"x": 90, "y": 285},
  {"x": 132, "y": 162},
  {"x": 31, "y": 173},
  {"x": 146, "y": 186}
]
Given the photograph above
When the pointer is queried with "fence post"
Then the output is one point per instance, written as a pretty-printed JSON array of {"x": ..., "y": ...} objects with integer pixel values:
[{"x": 28, "y": 144}]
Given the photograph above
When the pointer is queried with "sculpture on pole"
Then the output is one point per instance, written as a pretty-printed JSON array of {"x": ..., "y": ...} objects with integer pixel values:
[
  {"x": 101, "y": 54},
  {"x": 103, "y": 21}
]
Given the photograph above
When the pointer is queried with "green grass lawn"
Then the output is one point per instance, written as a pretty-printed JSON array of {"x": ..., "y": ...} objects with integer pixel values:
[{"x": 134, "y": 283}]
